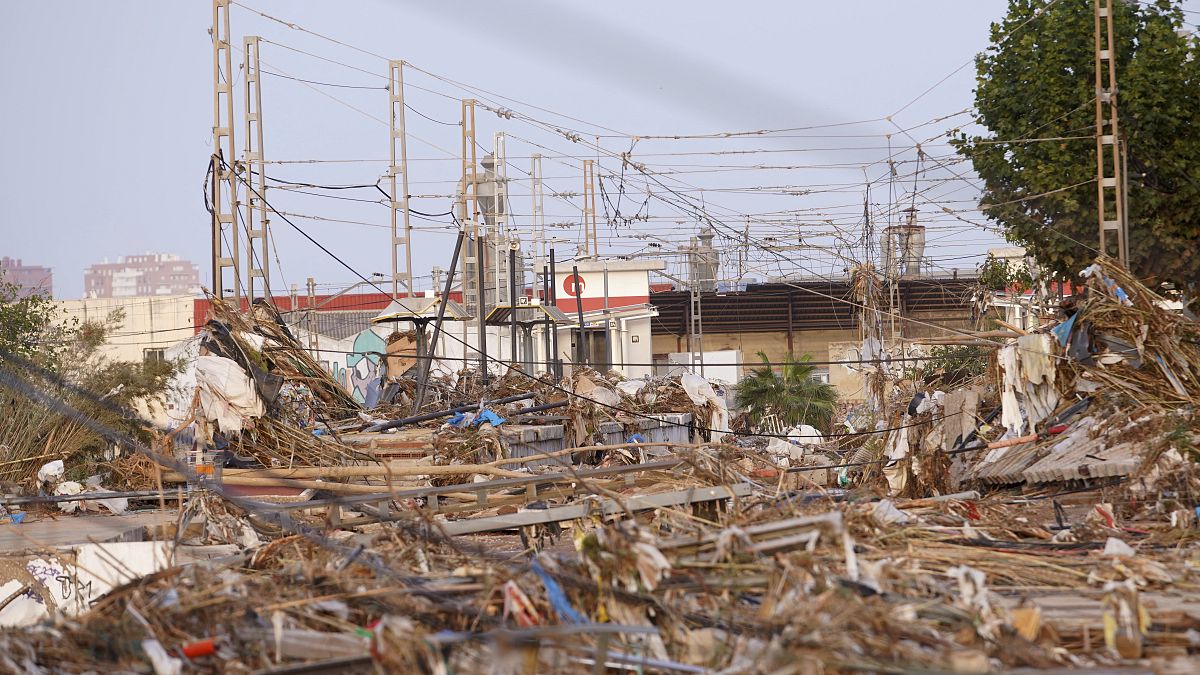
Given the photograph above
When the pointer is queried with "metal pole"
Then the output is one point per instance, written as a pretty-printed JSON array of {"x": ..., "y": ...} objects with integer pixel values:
[
  {"x": 427, "y": 364},
  {"x": 225, "y": 255},
  {"x": 308, "y": 316},
  {"x": 590, "y": 235},
  {"x": 258, "y": 265},
  {"x": 607, "y": 332},
  {"x": 469, "y": 209},
  {"x": 579, "y": 348},
  {"x": 398, "y": 198},
  {"x": 1107, "y": 140},
  {"x": 546, "y": 282},
  {"x": 512, "y": 303},
  {"x": 554, "y": 301},
  {"x": 480, "y": 273},
  {"x": 384, "y": 426},
  {"x": 539, "y": 214},
  {"x": 499, "y": 233},
  {"x": 1125, "y": 196}
]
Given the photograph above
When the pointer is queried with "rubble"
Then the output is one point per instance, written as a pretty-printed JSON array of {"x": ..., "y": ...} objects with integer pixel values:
[{"x": 1042, "y": 516}]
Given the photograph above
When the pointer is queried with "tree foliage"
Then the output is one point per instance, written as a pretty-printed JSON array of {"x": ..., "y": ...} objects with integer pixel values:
[
  {"x": 63, "y": 357},
  {"x": 791, "y": 394},
  {"x": 1035, "y": 96},
  {"x": 954, "y": 365},
  {"x": 31, "y": 325},
  {"x": 997, "y": 274}
]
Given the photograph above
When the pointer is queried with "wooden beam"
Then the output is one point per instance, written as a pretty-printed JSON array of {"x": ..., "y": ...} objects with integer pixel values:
[{"x": 606, "y": 507}]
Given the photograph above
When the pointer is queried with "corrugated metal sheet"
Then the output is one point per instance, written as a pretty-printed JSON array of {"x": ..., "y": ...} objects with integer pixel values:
[{"x": 337, "y": 325}]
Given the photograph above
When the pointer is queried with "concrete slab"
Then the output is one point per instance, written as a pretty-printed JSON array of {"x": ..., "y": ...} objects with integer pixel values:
[{"x": 80, "y": 529}]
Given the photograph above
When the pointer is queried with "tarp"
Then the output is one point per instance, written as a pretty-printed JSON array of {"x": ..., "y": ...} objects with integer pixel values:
[
  {"x": 227, "y": 394},
  {"x": 701, "y": 392}
]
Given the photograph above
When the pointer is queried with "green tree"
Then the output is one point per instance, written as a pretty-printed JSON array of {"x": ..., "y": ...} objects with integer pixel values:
[
  {"x": 33, "y": 326},
  {"x": 996, "y": 274},
  {"x": 791, "y": 394},
  {"x": 1035, "y": 96},
  {"x": 63, "y": 357},
  {"x": 954, "y": 365}
]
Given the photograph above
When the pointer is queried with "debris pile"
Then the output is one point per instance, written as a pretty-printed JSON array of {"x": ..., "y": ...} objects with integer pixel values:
[{"x": 1041, "y": 516}]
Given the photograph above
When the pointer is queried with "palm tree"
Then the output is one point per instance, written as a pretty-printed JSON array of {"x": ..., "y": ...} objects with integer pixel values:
[{"x": 791, "y": 394}]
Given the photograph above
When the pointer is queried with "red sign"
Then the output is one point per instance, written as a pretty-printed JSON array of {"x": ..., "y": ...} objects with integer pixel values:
[{"x": 573, "y": 285}]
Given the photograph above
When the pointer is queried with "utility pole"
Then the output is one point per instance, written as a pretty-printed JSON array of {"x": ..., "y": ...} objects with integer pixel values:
[
  {"x": 538, "y": 221},
  {"x": 310, "y": 317},
  {"x": 591, "y": 245},
  {"x": 225, "y": 244},
  {"x": 696, "y": 325},
  {"x": 398, "y": 166},
  {"x": 468, "y": 213},
  {"x": 1108, "y": 153},
  {"x": 258, "y": 262},
  {"x": 744, "y": 251},
  {"x": 499, "y": 231}
]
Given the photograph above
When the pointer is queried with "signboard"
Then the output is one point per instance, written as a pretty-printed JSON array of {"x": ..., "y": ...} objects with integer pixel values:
[{"x": 574, "y": 285}]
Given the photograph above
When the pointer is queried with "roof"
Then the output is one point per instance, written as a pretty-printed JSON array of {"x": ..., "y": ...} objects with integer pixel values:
[
  {"x": 406, "y": 309},
  {"x": 828, "y": 305},
  {"x": 337, "y": 325},
  {"x": 501, "y": 315},
  {"x": 612, "y": 265}
]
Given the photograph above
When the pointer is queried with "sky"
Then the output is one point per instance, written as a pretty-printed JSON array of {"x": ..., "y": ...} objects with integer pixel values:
[{"x": 109, "y": 115}]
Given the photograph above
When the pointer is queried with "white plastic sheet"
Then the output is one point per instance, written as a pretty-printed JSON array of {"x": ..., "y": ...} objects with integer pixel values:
[
  {"x": 227, "y": 393},
  {"x": 51, "y": 471},
  {"x": 701, "y": 392}
]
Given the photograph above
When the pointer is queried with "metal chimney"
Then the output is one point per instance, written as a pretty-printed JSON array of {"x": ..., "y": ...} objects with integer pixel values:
[{"x": 705, "y": 261}]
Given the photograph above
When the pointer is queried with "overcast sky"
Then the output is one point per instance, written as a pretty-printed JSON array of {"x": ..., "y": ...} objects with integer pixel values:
[{"x": 108, "y": 113}]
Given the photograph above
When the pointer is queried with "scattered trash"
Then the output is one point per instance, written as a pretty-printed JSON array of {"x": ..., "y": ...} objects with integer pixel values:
[{"x": 528, "y": 524}]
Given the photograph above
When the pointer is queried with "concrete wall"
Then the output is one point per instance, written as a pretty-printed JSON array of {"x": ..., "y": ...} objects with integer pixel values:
[
  {"x": 632, "y": 345},
  {"x": 150, "y": 322},
  {"x": 775, "y": 344},
  {"x": 849, "y": 382},
  {"x": 822, "y": 345}
]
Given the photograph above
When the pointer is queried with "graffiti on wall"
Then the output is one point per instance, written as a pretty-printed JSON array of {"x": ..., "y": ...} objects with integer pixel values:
[{"x": 362, "y": 368}]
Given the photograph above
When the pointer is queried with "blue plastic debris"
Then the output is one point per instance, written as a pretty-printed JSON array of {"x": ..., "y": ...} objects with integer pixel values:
[
  {"x": 457, "y": 420},
  {"x": 1121, "y": 294},
  {"x": 1063, "y": 330},
  {"x": 636, "y": 438},
  {"x": 558, "y": 599},
  {"x": 489, "y": 417},
  {"x": 374, "y": 389},
  {"x": 17, "y": 518}
]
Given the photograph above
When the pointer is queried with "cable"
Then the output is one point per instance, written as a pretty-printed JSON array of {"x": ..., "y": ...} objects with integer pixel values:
[
  {"x": 532, "y": 377},
  {"x": 125, "y": 441},
  {"x": 323, "y": 84},
  {"x": 449, "y": 124},
  {"x": 422, "y": 530},
  {"x": 1036, "y": 14},
  {"x": 690, "y": 208},
  {"x": 361, "y": 186}
]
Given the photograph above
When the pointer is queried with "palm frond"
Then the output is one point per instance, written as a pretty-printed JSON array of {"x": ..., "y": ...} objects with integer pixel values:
[{"x": 792, "y": 394}]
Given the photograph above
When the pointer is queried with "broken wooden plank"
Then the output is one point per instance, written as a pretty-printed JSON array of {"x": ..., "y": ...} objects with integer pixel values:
[{"x": 605, "y": 507}]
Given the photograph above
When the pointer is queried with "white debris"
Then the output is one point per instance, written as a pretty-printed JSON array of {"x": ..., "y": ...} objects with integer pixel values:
[
  {"x": 1116, "y": 548},
  {"x": 51, "y": 471}
]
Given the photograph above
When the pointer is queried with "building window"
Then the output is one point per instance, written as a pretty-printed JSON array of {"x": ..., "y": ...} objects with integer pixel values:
[{"x": 154, "y": 355}]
